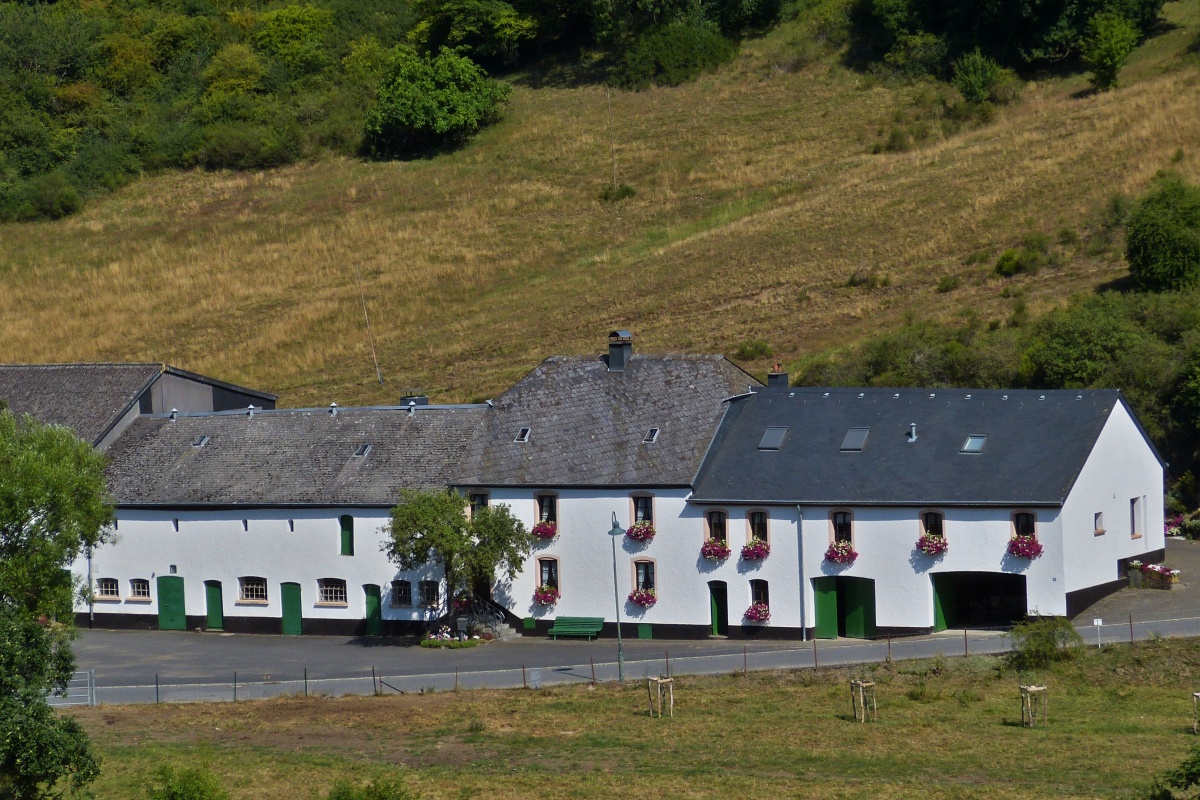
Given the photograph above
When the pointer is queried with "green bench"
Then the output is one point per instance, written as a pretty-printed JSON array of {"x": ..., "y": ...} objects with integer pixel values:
[{"x": 576, "y": 626}]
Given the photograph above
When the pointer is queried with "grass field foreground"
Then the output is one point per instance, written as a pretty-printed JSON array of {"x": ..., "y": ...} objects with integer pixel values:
[
  {"x": 758, "y": 197},
  {"x": 947, "y": 728}
]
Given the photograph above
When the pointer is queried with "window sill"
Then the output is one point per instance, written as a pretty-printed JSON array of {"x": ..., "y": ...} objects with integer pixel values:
[
  {"x": 1099, "y": 532},
  {"x": 1136, "y": 536},
  {"x": 399, "y": 605},
  {"x": 332, "y": 605},
  {"x": 137, "y": 599},
  {"x": 252, "y": 602},
  {"x": 108, "y": 598}
]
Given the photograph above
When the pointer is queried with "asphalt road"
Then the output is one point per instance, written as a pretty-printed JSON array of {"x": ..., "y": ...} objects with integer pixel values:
[{"x": 145, "y": 666}]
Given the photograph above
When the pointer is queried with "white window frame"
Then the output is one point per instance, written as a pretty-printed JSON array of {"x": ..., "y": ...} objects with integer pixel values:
[{"x": 332, "y": 592}]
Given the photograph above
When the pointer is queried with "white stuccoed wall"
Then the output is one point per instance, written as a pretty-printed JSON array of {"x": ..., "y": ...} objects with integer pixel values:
[
  {"x": 1119, "y": 468},
  {"x": 212, "y": 545}
]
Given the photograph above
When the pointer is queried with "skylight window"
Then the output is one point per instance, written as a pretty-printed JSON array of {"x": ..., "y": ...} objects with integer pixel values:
[
  {"x": 772, "y": 438},
  {"x": 362, "y": 450},
  {"x": 651, "y": 436},
  {"x": 974, "y": 443},
  {"x": 522, "y": 435},
  {"x": 855, "y": 439},
  {"x": 200, "y": 441}
]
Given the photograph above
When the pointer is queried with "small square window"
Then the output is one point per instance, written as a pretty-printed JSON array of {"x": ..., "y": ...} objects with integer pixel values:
[
  {"x": 108, "y": 587},
  {"x": 362, "y": 450},
  {"x": 140, "y": 588},
  {"x": 252, "y": 589},
  {"x": 651, "y": 436},
  {"x": 855, "y": 440},
  {"x": 974, "y": 443},
  {"x": 522, "y": 435},
  {"x": 772, "y": 438},
  {"x": 331, "y": 590},
  {"x": 430, "y": 593},
  {"x": 200, "y": 441},
  {"x": 401, "y": 593}
]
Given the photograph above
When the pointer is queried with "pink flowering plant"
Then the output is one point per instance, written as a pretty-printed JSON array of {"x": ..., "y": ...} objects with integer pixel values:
[
  {"x": 1159, "y": 569},
  {"x": 1173, "y": 524},
  {"x": 1024, "y": 547},
  {"x": 462, "y": 602},
  {"x": 546, "y": 595},
  {"x": 841, "y": 553},
  {"x": 756, "y": 550},
  {"x": 643, "y": 597},
  {"x": 641, "y": 531},
  {"x": 545, "y": 530},
  {"x": 715, "y": 550},
  {"x": 932, "y": 545},
  {"x": 759, "y": 612}
]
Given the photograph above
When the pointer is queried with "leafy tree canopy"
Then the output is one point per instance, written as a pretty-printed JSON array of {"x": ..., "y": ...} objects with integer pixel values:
[
  {"x": 433, "y": 526},
  {"x": 485, "y": 30},
  {"x": 1163, "y": 239},
  {"x": 53, "y": 506}
]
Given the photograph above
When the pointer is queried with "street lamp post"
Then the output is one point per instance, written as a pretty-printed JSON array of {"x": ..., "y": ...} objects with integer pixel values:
[{"x": 616, "y": 531}]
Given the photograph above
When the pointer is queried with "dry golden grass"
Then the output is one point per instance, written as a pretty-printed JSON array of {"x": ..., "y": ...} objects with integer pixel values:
[{"x": 757, "y": 198}]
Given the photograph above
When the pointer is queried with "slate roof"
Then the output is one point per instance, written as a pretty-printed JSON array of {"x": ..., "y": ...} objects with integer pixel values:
[
  {"x": 289, "y": 457},
  {"x": 1034, "y": 451},
  {"x": 587, "y": 423},
  {"x": 88, "y": 398}
]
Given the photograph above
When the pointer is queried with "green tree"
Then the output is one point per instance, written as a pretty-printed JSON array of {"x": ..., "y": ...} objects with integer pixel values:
[
  {"x": 294, "y": 35},
  {"x": 1110, "y": 39},
  {"x": 53, "y": 507},
  {"x": 1162, "y": 239},
  {"x": 484, "y": 30},
  {"x": 976, "y": 76},
  {"x": 427, "y": 102},
  {"x": 433, "y": 526}
]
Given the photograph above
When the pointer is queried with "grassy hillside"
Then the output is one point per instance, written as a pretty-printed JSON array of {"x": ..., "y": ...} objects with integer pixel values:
[
  {"x": 947, "y": 728},
  {"x": 758, "y": 198}
]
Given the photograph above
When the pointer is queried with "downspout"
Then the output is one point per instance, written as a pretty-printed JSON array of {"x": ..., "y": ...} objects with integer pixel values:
[
  {"x": 90, "y": 594},
  {"x": 803, "y": 584}
]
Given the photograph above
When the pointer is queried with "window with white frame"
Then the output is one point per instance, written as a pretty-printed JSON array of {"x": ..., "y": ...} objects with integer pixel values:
[
  {"x": 108, "y": 588},
  {"x": 547, "y": 508},
  {"x": 760, "y": 593},
  {"x": 718, "y": 526},
  {"x": 252, "y": 589},
  {"x": 843, "y": 526},
  {"x": 643, "y": 509},
  {"x": 548, "y": 572},
  {"x": 401, "y": 593},
  {"x": 139, "y": 589},
  {"x": 430, "y": 593},
  {"x": 331, "y": 591},
  {"x": 644, "y": 575}
]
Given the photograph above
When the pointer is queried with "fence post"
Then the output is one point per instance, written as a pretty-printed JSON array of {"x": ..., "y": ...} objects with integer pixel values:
[
  {"x": 745, "y": 661},
  {"x": 524, "y": 682},
  {"x": 814, "y": 651},
  {"x": 1131, "y": 630},
  {"x": 374, "y": 685},
  {"x": 91, "y": 687},
  {"x": 966, "y": 648},
  {"x": 592, "y": 661},
  {"x": 667, "y": 653},
  {"x": 889, "y": 648},
  {"x": 156, "y": 688},
  {"x": 235, "y": 686},
  {"x": 306, "y": 681},
  {"x": 456, "y": 679}
]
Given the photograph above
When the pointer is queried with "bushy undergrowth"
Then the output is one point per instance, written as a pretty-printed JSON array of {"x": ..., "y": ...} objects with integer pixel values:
[
  {"x": 1039, "y": 643},
  {"x": 674, "y": 54},
  {"x": 1163, "y": 239},
  {"x": 187, "y": 783}
]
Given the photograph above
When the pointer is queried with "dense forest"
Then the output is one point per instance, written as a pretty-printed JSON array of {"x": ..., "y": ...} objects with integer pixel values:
[{"x": 96, "y": 93}]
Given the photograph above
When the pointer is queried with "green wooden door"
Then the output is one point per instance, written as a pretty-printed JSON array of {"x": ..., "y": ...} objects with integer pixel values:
[
  {"x": 374, "y": 614},
  {"x": 171, "y": 616},
  {"x": 825, "y": 606},
  {"x": 289, "y": 596},
  {"x": 858, "y": 608},
  {"x": 215, "y": 619},
  {"x": 718, "y": 607},
  {"x": 943, "y": 602}
]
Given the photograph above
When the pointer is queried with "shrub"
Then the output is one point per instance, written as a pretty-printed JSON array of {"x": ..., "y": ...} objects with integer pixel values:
[
  {"x": 752, "y": 349},
  {"x": 429, "y": 102},
  {"x": 373, "y": 790},
  {"x": 51, "y": 196},
  {"x": 1190, "y": 528},
  {"x": 948, "y": 283},
  {"x": 1110, "y": 39},
  {"x": 188, "y": 783},
  {"x": 976, "y": 76},
  {"x": 1028, "y": 258},
  {"x": 294, "y": 35},
  {"x": 614, "y": 194},
  {"x": 1162, "y": 241},
  {"x": 1038, "y": 643},
  {"x": 674, "y": 54},
  {"x": 227, "y": 146}
]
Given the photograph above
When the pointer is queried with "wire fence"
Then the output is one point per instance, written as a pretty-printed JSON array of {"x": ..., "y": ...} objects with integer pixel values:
[{"x": 726, "y": 658}]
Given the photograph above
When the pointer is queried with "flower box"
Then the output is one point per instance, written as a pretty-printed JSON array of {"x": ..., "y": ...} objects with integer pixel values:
[
  {"x": 932, "y": 545},
  {"x": 546, "y": 595},
  {"x": 756, "y": 550},
  {"x": 641, "y": 531},
  {"x": 759, "y": 612},
  {"x": 715, "y": 550},
  {"x": 841, "y": 553},
  {"x": 1024, "y": 547},
  {"x": 643, "y": 597},
  {"x": 545, "y": 530},
  {"x": 1158, "y": 576}
]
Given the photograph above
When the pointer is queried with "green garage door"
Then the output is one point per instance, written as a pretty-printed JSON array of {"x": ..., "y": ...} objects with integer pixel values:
[
  {"x": 171, "y": 615},
  {"x": 826, "y": 607}
]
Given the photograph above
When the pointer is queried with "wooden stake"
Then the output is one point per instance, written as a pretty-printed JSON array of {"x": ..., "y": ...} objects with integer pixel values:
[
  {"x": 592, "y": 661},
  {"x": 814, "y": 652}
]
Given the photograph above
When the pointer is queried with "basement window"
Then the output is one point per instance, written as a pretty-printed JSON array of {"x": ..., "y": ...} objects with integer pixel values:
[
  {"x": 651, "y": 436},
  {"x": 362, "y": 450},
  {"x": 974, "y": 443},
  {"x": 855, "y": 440},
  {"x": 522, "y": 435},
  {"x": 772, "y": 438},
  {"x": 200, "y": 441}
]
